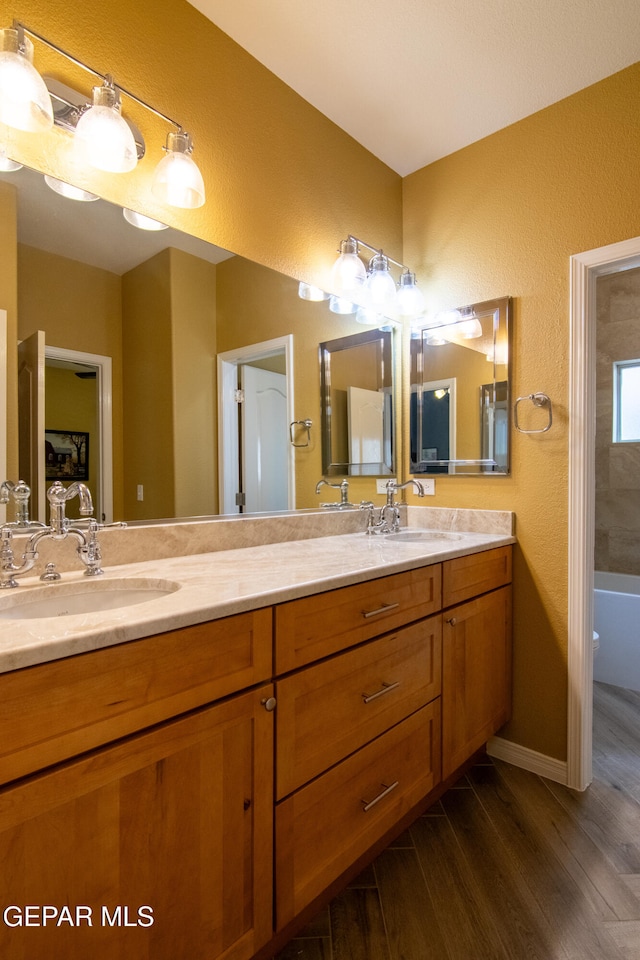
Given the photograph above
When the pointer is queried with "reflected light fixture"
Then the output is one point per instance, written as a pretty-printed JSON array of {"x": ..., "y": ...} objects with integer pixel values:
[
  {"x": 7, "y": 165},
  {"x": 177, "y": 179},
  {"x": 69, "y": 191},
  {"x": 307, "y": 291},
  {"x": 141, "y": 222},
  {"x": 24, "y": 99},
  {"x": 342, "y": 306},
  {"x": 104, "y": 138}
]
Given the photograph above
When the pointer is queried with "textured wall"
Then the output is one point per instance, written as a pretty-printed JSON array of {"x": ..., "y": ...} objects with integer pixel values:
[
  {"x": 617, "y": 546},
  {"x": 502, "y": 217}
]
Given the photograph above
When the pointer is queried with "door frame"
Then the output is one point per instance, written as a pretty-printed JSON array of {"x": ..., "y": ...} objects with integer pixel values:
[
  {"x": 228, "y": 435},
  {"x": 104, "y": 390},
  {"x": 585, "y": 268}
]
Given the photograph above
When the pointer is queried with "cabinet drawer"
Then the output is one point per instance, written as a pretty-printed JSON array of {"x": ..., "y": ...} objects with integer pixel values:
[
  {"x": 318, "y": 626},
  {"x": 329, "y": 710},
  {"x": 467, "y": 577},
  {"x": 324, "y": 827},
  {"x": 56, "y": 710}
]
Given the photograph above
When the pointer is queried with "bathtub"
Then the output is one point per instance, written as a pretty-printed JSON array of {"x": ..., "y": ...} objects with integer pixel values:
[{"x": 616, "y": 617}]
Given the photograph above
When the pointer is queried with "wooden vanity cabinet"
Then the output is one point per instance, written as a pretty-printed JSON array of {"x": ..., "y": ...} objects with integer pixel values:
[
  {"x": 476, "y": 653},
  {"x": 172, "y": 824}
]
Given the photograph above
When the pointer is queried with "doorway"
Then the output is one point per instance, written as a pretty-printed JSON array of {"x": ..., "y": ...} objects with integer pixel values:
[
  {"x": 585, "y": 269},
  {"x": 255, "y": 408}
]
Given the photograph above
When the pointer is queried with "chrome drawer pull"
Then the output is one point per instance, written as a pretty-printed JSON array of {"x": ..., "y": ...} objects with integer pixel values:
[
  {"x": 387, "y": 790},
  {"x": 386, "y": 688},
  {"x": 385, "y": 608}
]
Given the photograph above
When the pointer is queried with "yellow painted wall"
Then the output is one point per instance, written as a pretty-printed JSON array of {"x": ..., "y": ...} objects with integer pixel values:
[
  {"x": 502, "y": 217},
  {"x": 193, "y": 333}
]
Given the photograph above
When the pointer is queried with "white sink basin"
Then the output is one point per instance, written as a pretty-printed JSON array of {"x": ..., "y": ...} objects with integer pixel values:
[
  {"x": 67, "y": 599},
  {"x": 411, "y": 536}
]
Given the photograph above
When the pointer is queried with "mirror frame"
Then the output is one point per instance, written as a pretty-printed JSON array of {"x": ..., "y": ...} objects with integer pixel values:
[
  {"x": 326, "y": 350},
  {"x": 490, "y": 393}
]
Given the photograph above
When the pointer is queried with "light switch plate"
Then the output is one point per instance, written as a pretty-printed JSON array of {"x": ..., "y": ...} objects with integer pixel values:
[{"x": 381, "y": 484}]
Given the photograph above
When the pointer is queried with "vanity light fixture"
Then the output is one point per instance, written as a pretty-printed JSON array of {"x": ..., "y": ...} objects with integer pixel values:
[
  {"x": 69, "y": 191},
  {"x": 374, "y": 287},
  {"x": 104, "y": 137},
  {"x": 7, "y": 165},
  {"x": 177, "y": 179},
  {"x": 24, "y": 100},
  {"x": 342, "y": 306}
]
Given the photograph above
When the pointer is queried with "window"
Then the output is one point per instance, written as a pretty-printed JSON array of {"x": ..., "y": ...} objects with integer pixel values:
[{"x": 626, "y": 401}]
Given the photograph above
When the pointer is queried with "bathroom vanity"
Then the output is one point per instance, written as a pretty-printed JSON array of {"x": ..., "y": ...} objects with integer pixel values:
[{"x": 198, "y": 792}]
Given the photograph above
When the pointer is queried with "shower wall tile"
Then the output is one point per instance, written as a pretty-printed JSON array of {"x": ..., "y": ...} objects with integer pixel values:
[{"x": 617, "y": 467}]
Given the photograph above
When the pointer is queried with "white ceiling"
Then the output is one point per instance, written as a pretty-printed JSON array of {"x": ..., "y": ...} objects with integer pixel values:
[{"x": 414, "y": 80}]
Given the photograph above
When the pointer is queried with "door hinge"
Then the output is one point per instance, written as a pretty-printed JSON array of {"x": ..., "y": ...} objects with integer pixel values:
[
  {"x": 238, "y": 396},
  {"x": 241, "y": 500}
]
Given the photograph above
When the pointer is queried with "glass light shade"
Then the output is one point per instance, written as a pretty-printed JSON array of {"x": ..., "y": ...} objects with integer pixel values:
[
  {"x": 410, "y": 298},
  {"x": 141, "y": 222},
  {"x": 69, "y": 191},
  {"x": 469, "y": 329},
  {"x": 177, "y": 180},
  {"x": 348, "y": 273},
  {"x": 24, "y": 99},
  {"x": 371, "y": 318},
  {"x": 342, "y": 306},
  {"x": 380, "y": 287},
  {"x": 307, "y": 291},
  {"x": 103, "y": 137},
  {"x": 7, "y": 165}
]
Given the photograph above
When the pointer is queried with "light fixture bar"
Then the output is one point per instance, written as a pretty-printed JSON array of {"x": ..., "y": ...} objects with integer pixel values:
[
  {"x": 377, "y": 250},
  {"x": 17, "y": 25}
]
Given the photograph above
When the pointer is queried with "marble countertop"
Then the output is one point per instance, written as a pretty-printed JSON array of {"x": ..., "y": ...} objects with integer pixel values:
[{"x": 213, "y": 585}]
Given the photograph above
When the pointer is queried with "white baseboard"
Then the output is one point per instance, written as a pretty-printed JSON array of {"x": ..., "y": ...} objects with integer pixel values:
[{"x": 528, "y": 759}]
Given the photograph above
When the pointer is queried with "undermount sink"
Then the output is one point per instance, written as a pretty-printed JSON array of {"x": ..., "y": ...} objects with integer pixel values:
[
  {"x": 67, "y": 599},
  {"x": 411, "y": 536}
]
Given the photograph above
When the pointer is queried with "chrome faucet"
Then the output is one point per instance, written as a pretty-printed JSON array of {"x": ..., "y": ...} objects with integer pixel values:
[
  {"x": 60, "y": 528},
  {"x": 343, "y": 487},
  {"x": 389, "y": 521},
  {"x": 18, "y": 492}
]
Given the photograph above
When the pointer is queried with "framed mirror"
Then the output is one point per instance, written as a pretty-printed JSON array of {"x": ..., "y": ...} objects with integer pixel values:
[
  {"x": 357, "y": 405},
  {"x": 460, "y": 392}
]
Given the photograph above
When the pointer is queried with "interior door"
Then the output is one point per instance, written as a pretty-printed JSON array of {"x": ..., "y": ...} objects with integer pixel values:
[
  {"x": 31, "y": 426},
  {"x": 264, "y": 441},
  {"x": 366, "y": 425}
]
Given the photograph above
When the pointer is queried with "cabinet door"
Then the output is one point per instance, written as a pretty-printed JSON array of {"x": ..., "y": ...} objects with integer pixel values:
[
  {"x": 476, "y": 675},
  {"x": 160, "y": 846}
]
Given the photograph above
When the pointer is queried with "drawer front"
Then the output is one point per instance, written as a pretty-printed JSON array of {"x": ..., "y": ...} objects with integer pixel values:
[
  {"x": 467, "y": 577},
  {"x": 316, "y": 627},
  {"x": 57, "y": 710},
  {"x": 329, "y": 710},
  {"x": 324, "y": 827}
]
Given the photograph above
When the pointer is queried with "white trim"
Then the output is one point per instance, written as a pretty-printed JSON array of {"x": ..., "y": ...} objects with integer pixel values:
[
  {"x": 529, "y": 760},
  {"x": 228, "y": 447},
  {"x": 585, "y": 268},
  {"x": 105, "y": 418}
]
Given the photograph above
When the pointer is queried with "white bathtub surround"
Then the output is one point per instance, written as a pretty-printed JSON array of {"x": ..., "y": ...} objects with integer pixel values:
[{"x": 616, "y": 617}]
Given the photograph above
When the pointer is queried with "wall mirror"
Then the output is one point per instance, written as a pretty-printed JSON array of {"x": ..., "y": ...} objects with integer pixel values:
[
  {"x": 356, "y": 383},
  {"x": 149, "y": 311},
  {"x": 460, "y": 392}
]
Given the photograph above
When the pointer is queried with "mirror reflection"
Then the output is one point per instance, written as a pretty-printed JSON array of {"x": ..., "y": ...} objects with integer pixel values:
[
  {"x": 459, "y": 401},
  {"x": 136, "y": 320},
  {"x": 357, "y": 405}
]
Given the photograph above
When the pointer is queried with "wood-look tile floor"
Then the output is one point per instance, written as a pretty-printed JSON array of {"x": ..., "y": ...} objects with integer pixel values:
[{"x": 507, "y": 866}]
